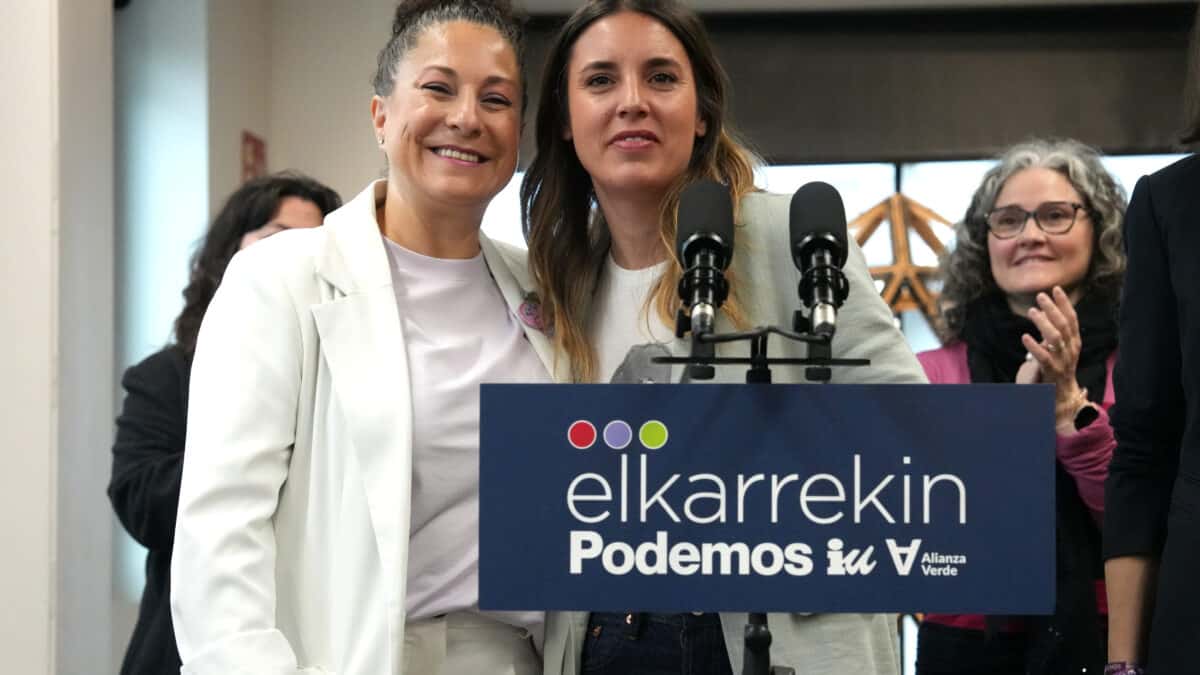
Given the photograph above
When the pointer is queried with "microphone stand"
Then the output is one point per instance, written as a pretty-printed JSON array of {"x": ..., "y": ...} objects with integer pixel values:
[{"x": 818, "y": 365}]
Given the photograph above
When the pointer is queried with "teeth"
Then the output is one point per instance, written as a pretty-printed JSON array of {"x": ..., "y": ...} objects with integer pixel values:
[
  {"x": 459, "y": 155},
  {"x": 636, "y": 138}
]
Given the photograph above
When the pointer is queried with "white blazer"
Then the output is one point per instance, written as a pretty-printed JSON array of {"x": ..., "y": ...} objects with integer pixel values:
[{"x": 291, "y": 545}]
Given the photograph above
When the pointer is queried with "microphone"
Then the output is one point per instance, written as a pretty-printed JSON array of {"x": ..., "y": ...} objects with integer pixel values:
[
  {"x": 817, "y": 226},
  {"x": 704, "y": 244}
]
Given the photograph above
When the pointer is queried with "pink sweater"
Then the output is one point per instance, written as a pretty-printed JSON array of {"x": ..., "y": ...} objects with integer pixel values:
[{"x": 1084, "y": 454}]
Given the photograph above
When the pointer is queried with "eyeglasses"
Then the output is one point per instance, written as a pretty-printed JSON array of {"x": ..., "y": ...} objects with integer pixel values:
[{"x": 1052, "y": 217}]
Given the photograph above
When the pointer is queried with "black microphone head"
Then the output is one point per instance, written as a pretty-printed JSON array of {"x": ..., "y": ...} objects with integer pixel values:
[
  {"x": 705, "y": 222},
  {"x": 817, "y": 219}
]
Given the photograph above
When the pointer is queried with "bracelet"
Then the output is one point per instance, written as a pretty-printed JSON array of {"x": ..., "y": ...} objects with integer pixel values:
[{"x": 1123, "y": 668}]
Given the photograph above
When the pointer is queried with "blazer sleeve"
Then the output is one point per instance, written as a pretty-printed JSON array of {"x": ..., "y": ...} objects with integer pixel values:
[
  {"x": 866, "y": 329},
  {"x": 1147, "y": 418},
  {"x": 148, "y": 450},
  {"x": 241, "y": 426}
]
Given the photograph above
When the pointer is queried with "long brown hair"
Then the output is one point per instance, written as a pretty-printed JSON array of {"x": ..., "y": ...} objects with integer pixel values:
[{"x": 567, "y": 240}]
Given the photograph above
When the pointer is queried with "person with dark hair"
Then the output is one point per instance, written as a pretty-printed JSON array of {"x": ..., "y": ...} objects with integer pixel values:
[
  {"x": 258, "y": 209},
  {"x": 148, "y": 451},
  {"x": 1152, "y": 524},
  {"x": 329, "y": 510},
  {"x": 632, "y": 111},
  {"x": 1030, "y": 295}
]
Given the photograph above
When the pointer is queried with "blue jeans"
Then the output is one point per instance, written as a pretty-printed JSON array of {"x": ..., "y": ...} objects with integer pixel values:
[{"x": 655, "y": 644}]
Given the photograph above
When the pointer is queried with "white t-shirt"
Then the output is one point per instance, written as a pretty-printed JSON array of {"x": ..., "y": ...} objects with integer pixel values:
[
  {"x": 458, "y": 334},
  {"x": 625, "y": 331}
]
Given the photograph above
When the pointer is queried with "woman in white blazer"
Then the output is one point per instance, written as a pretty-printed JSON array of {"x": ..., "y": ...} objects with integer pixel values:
[
  {"x": 632, "y": 111},
  {"x": 329, "y": 504}
]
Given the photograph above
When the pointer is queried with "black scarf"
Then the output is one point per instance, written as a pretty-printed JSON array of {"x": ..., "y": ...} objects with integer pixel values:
[
  {"x": 994, "y": 350},
  {"x": 1071, "y": 638}
]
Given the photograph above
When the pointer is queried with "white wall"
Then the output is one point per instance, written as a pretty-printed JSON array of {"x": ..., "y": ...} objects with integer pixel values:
[
  {"x": 239, "y": 73},
  {"x": 56, "y": 318}
]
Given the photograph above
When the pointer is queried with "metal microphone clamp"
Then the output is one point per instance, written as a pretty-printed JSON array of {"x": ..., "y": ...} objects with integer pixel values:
[
  {"x": 703, "y": 274},
  {"x": 823, "y": 275}
]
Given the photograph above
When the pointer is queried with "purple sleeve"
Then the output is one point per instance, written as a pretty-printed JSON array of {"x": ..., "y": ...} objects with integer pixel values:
[{"x": 934, "y": 362}]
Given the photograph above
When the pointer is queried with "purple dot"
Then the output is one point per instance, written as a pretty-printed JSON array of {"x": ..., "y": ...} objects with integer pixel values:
[{"x": 617, "y": 434}]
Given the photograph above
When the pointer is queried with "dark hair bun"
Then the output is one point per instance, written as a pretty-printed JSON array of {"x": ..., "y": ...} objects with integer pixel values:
[
  {"x": 410, "y": 11},
  {"x": 412, "y": 17}
]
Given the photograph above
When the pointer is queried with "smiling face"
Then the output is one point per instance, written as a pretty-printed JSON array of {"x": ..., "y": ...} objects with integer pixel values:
[
  {"x": 1034, "y": 261},
  {"x": 451, "y": 126},
  {"x": 632, "y": 108}
]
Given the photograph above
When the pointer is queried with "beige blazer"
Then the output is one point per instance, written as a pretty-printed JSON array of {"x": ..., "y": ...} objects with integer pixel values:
[
  {"x": 291, "y": 546},
  {"x": 813, "y": 644}
]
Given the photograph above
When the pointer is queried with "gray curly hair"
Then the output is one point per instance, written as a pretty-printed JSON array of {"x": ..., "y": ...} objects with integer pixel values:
[{"x": 967, "y": 269}]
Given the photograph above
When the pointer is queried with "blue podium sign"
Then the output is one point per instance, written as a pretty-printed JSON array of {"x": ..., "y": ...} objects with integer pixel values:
[{"x": 788, "y": 498}]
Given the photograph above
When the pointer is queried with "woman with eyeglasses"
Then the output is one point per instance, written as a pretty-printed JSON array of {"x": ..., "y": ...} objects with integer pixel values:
[{"x": 1031, "y": 294}]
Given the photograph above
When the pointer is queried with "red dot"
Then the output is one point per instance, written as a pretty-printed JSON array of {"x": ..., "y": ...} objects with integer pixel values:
[{"x": 581, "y": 434}]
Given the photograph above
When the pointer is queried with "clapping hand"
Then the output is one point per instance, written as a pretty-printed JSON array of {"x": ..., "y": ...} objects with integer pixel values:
[{"x": 1054, "y": 359}]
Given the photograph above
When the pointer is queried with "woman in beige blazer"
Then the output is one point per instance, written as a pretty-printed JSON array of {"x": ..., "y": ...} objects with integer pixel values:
[
  {"x": 313, "y": 453},
  {"x": 632, "y": 110}
]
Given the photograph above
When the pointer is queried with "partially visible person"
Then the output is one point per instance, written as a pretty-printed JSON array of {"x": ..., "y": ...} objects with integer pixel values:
[
  {"x": 148, "y": 451},
  {"x": 329, "y": 510},
  {"x": 633, "y": 109},
  {"x": 1152, "y": 525},
  {"x": 1031, "y": 296}
]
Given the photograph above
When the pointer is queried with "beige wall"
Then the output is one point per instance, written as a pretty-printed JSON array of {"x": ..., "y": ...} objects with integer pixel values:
[
  {"x": 565, "y": 6},
  {"x": 239, "y": 74},
  {"x": 85, "y": 342},
  {"x": 323, "y": 60},
  {"x": 28, "y": 297},
  {"x": 56, "y": 318}
]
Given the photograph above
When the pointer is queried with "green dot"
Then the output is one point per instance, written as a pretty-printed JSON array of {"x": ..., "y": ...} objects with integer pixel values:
[{"x": 653, "y": 434}]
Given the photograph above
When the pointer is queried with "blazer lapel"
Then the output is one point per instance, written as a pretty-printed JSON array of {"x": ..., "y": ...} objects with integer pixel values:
[{"x": 363, "y": 345}]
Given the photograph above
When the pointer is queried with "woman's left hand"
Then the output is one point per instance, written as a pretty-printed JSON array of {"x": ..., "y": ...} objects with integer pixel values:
[{"x": 1058, "y": 352}]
